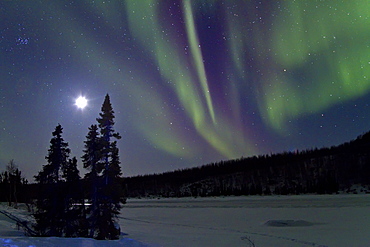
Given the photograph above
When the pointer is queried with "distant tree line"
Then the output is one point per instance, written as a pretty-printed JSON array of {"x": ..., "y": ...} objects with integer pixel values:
[
  {"x": 66, "y": 205},
  {"x": 13, "y": 186},
  {"x": 321, "y": 171}
]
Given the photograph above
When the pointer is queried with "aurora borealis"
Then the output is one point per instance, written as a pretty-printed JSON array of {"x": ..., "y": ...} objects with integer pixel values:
[{"x": 191, "y": 82}]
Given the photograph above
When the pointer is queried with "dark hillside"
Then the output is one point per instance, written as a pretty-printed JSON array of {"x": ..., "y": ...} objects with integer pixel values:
[{"x": 325, "y": 170}]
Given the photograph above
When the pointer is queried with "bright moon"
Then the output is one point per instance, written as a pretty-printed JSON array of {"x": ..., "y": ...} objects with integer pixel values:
[{"x": 81, "y": 102}]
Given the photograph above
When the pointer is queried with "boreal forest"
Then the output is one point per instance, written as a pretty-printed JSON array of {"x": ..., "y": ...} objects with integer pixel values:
[
  {"x": 338, "y": 169},
  {"x": 321, "y": 171}
]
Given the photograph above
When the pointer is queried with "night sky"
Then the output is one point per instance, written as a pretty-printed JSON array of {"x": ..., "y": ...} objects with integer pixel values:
[{"x": 191, "y": 82}]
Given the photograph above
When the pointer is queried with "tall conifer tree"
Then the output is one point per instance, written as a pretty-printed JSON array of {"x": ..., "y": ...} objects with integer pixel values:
[
  {"x": 50, "y": 204},
  {"x": 75, "y": 218},
  {"x": 101, "y": 158},
  {"x": 112, "y": 194},
  {"x": 92, "y": 161}
]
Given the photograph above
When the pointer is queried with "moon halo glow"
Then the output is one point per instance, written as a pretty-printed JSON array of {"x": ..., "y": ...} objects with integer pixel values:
[{"x": 81, "y": 102}]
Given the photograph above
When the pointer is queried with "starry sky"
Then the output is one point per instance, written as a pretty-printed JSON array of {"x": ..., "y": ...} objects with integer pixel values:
[{"x": 191, "y": 82}]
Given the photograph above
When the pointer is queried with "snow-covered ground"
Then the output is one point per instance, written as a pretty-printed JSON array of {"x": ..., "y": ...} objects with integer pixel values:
[{"x": 306, "y": 220}]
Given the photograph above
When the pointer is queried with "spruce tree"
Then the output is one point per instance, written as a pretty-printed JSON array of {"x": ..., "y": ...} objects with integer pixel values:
[
  {"x": 51, "y": 204},
  {"x": 92, "y": 161},
  {"x": 112, "y": 195},
  {"x": 74, "y": 221},
  {"x": 70, "y": 171}
]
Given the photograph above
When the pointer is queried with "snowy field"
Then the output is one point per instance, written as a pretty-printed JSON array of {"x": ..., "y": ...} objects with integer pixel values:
[{"x": 305, "y": 220}]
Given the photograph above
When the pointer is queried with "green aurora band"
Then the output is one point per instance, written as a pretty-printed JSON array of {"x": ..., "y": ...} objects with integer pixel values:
[
  {"x": 172, "y": 64},
  {"x": 324, "y": 50},
  {"x": 313, "y": 55}
]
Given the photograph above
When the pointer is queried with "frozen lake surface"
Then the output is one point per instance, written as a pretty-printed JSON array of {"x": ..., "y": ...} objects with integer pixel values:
[{"x": 304, "y": 220}]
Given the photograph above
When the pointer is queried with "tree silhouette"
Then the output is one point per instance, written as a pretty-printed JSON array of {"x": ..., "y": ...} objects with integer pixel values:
[
  {"x": 74, "y": 205},
  {"x": 92, "y": 161},
  {"x": 101, "y": 158},
  {"x": 51, "y": 204},
  {"x": 12, "y": 184},
  {"x": 111, "y": 183}
]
